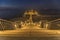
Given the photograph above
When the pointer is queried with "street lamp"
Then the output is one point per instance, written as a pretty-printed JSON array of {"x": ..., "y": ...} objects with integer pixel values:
[{"x": 47, "y": 25}]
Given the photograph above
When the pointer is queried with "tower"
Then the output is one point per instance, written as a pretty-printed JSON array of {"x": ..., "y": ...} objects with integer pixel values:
[
  {"x": 30, "y": 24},
  {"x": 31, "y": 13}
]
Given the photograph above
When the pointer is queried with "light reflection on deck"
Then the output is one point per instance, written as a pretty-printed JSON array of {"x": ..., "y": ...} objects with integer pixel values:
[{"x": 31, "y": 34}]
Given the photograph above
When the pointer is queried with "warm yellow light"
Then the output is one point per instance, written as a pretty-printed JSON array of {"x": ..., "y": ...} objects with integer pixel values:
[
  {"x": 46, "y": 25},
  {"x": 15, "y": 26}
]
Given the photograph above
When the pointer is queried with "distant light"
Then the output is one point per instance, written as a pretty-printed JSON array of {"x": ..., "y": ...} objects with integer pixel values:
[
  {"x": 39, "y": 25},
  {"x": 15, "y": 26}
]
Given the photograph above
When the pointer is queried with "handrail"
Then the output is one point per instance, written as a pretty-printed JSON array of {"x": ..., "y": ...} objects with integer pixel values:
[{"x": 53, "y": 21}]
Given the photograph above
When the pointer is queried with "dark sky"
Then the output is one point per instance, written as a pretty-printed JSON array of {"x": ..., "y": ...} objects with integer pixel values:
[
  {"x": 30, "y": 3},
  {"x": 55, "y": 4}
]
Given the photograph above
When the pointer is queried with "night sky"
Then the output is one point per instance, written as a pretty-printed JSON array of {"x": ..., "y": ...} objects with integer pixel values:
[
  {"x": 13, "y": 8},
  {"x": 30, "y": 3}
]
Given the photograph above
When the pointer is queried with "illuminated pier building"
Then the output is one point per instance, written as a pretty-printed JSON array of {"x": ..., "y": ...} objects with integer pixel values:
[{"x": 31, "y": 19}]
